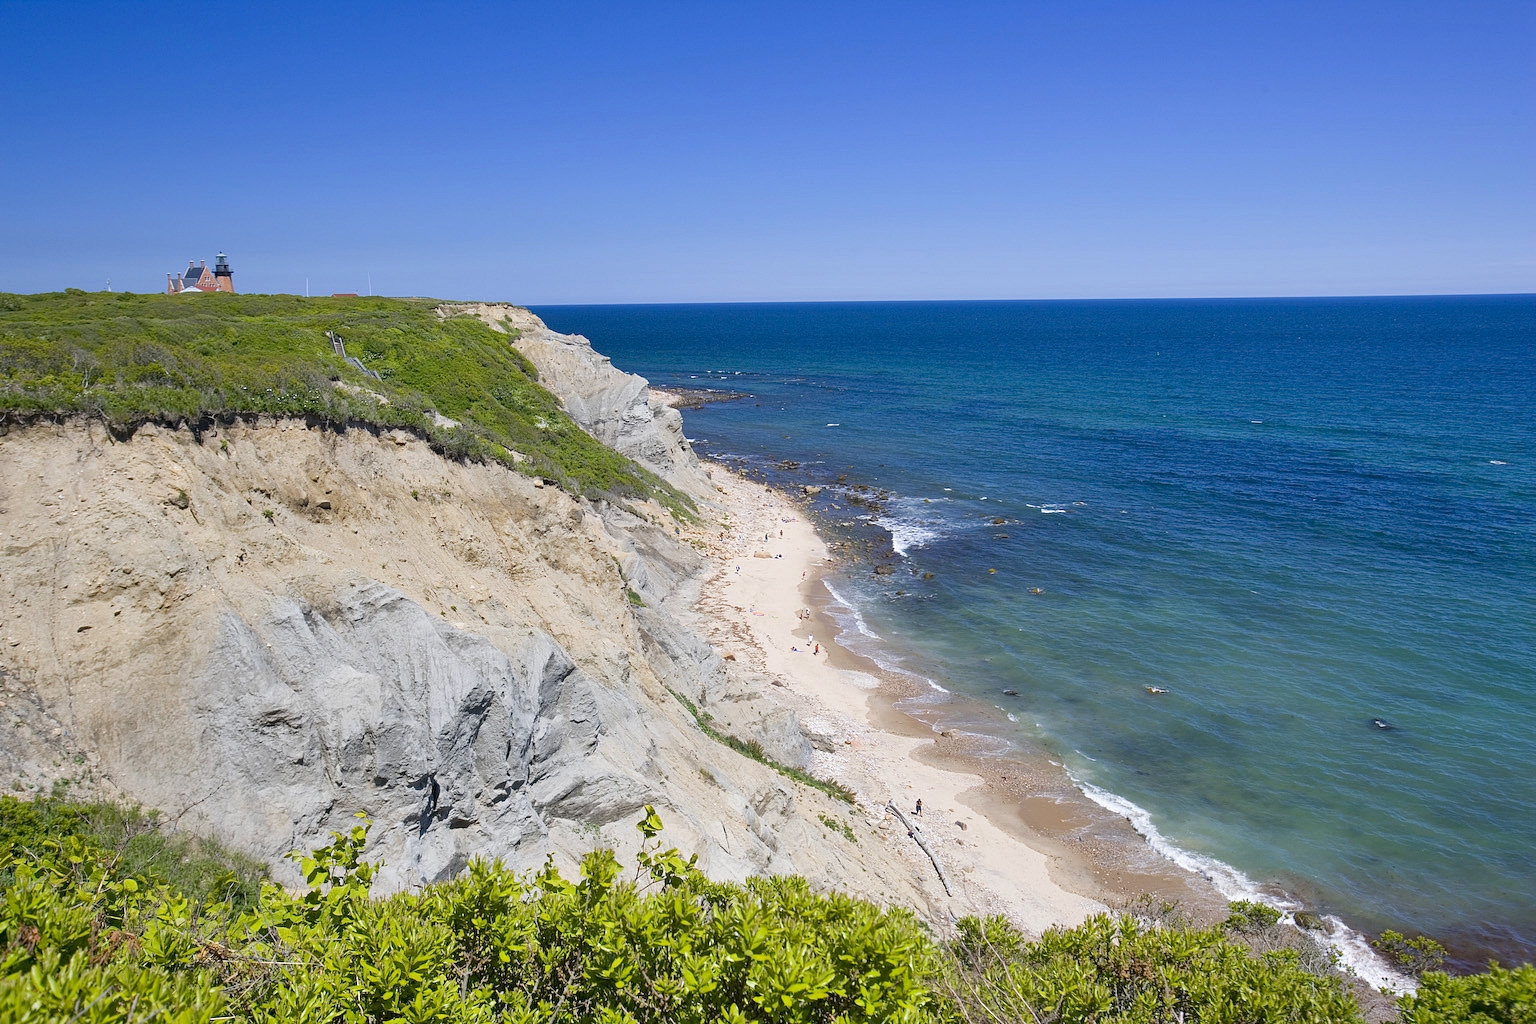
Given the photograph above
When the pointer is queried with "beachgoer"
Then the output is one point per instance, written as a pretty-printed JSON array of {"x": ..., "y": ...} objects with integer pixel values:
[
  {"x": 918, "y": 810},
  {"x": 818, "y": 649}
]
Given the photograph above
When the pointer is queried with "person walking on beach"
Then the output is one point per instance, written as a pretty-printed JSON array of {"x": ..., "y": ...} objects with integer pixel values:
[{"x": 917, "y": 812}]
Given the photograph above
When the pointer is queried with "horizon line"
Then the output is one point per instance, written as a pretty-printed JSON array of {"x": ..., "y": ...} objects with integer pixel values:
[
  {"x": 1097, "y": 298},
  {"x": 807, "y": 302}
]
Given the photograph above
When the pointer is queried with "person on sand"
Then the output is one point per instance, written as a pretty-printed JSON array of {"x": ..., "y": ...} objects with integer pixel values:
[
  {"x": 917, "y": 812},
  {"x": 818, "y": 649}
]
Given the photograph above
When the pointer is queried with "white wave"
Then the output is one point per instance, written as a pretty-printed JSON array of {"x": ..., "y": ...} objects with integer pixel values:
[
  {"x": 862, "y": 640},
  {"x": 853, "y": 613},
  {"x": 1354, "y": 950},
  {"x": 911, "y": 524},
  {"x": 1355, "y": 953},
  {"x": 907, "y": 534}
]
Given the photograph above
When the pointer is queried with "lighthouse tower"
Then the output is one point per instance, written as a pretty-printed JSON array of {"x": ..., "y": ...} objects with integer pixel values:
[{"x": 224, "y": 278}]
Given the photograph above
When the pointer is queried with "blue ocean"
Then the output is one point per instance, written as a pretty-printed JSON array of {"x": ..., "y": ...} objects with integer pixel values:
[{"x": 1310, "y": 522}]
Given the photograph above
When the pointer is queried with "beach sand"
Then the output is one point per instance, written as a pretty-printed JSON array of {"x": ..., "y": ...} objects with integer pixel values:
[{"x": 1013, "y": 834}]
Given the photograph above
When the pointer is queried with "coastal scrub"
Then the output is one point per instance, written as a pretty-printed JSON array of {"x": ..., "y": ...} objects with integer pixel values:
[
  {"x": 129, "y": 359},
  {"x": 91, "y": 931}
]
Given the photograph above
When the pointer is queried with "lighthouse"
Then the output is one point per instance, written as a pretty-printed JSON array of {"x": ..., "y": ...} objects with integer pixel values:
[{"x": 224, "y": 278}]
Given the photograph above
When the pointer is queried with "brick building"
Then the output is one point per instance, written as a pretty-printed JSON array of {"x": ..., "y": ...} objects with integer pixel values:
[{"x": 199, "y": 278}]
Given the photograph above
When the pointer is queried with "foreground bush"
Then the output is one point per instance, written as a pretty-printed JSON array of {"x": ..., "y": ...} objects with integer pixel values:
[
  {"x": 82, "y": 942},
  {"x": 1500, "y": 996},
  {"x": 1124, "y": 970},
  {"x": 105, "y": 919}
]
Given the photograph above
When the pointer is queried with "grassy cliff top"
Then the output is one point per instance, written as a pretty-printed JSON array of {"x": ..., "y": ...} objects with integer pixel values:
[{"x": 130, "y": 359}]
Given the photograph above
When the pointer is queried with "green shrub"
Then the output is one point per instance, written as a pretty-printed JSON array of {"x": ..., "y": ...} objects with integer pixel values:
[
  {"x": 174, "y": 359},
  {"x": 1124, "y": 970},
  {"x": 1250, "y": 916},
  {"x": 842, "y": 828},
  {"x": 1500, "y": 996},
  {"x": 659, "y": 944},
  {"x": 138, "y": 844},
  {"x": 89, "y": 933},
  {"x": 1413, "y": 956}
]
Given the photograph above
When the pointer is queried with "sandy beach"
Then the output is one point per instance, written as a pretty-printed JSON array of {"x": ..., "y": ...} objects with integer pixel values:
[{"x": 1013, "y": 835}]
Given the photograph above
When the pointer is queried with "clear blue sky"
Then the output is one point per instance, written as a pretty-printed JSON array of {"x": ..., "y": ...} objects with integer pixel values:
[{"x": 633, "y": 152}]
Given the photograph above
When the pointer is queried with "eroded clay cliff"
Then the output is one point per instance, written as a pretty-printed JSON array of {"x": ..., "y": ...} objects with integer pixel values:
[{"x": 266, "y": 628}]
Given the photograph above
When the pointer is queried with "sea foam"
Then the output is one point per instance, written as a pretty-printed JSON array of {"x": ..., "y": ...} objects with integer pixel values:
[
  {"x": 1353, "y": 949},
  {"x": 865, "y": 642},
  {"x": 912, "y": 524}
]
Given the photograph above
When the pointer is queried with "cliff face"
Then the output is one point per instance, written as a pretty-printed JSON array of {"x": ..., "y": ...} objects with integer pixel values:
[
  {"x": 611, "y": 405},
  {"x": 268, "y": 628}
]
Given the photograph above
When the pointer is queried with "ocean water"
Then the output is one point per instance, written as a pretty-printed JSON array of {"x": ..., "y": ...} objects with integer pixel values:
[{"x": 1302, "y": 519}]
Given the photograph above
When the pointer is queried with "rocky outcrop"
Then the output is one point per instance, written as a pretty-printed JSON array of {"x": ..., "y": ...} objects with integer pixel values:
[
  {"x": 615, "y": 407},
  {"x": 266, "y": 628},
  {"x": 459, "y": 747}
]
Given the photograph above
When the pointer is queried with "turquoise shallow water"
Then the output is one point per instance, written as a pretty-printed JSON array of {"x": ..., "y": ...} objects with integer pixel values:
[{"x": 1294, "y": 516}]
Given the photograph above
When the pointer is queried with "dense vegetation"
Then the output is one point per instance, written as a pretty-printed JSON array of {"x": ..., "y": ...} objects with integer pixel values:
[
  {"x": 128, "y": 359},
  {"x": 103, "y": 918}
]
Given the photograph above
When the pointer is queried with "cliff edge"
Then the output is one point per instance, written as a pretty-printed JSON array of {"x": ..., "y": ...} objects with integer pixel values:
[{"x": 615, "y": 407}]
